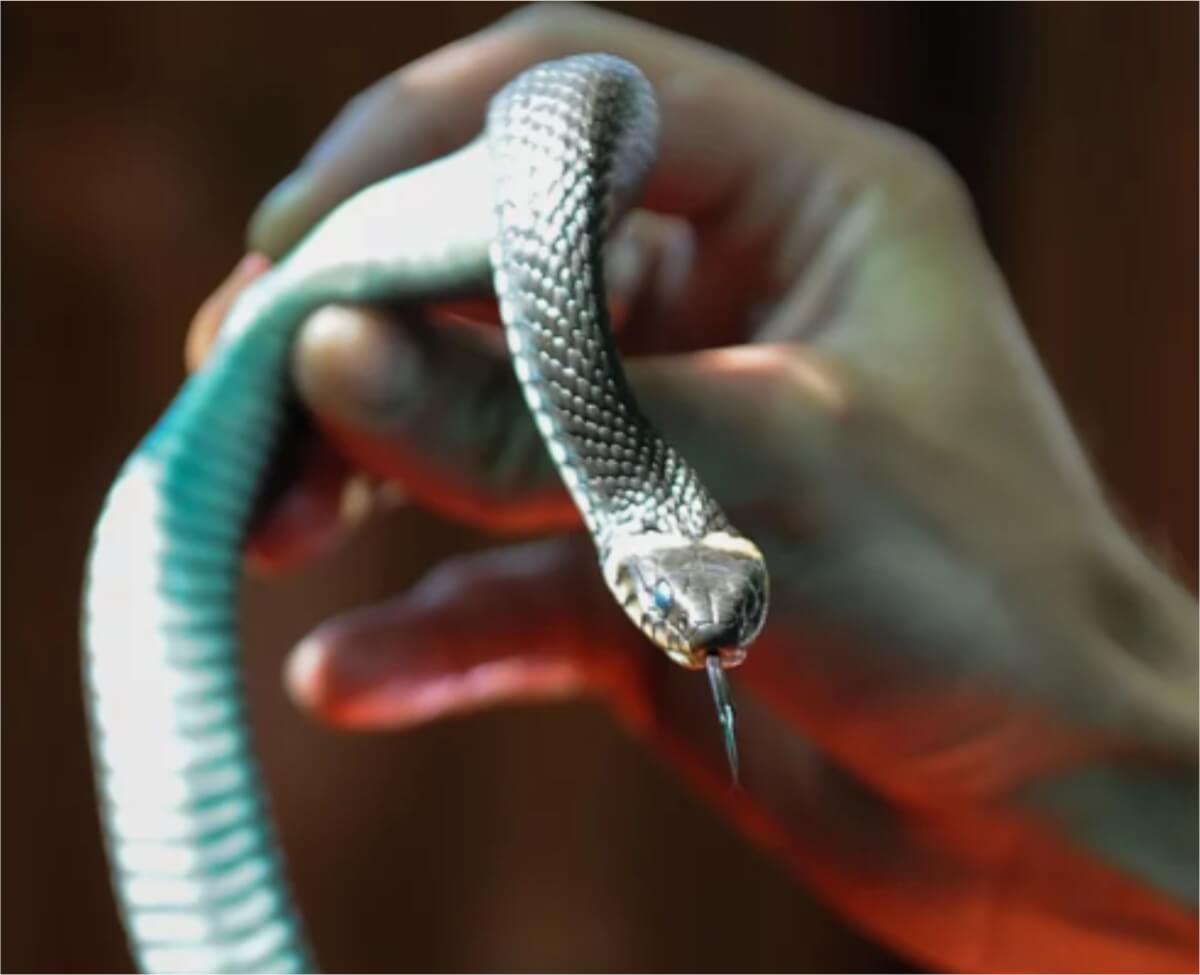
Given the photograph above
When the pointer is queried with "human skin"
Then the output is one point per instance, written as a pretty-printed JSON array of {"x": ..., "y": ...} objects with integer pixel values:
[{"x": 971, "y": 720}]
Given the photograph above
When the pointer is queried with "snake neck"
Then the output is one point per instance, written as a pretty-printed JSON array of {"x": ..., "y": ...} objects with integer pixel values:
[{"x": 570, "y": 146}]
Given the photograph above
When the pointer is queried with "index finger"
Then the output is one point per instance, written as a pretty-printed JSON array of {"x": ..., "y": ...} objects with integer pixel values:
[{"x": 730, "y": 129}]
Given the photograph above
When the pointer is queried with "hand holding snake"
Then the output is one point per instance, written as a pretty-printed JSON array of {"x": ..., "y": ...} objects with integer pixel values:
[{"x": 822, "y": 333}]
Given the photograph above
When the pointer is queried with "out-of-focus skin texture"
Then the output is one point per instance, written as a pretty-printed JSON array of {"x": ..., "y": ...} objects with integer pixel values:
[{"x": 971, "y": 721}]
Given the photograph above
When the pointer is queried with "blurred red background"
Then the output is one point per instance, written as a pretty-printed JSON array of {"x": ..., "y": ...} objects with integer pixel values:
[{"x": 139, "y": 138}]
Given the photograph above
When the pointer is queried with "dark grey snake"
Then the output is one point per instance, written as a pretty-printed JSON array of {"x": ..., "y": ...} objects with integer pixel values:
[{"x": 197, "y": 873}]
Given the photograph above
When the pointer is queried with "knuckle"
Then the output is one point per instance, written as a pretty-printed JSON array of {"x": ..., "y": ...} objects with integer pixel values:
[
  {"x": 785, "y": 376},
  {"x": 822, "y": 386},
  {"x": 910, "y": 173},
  {"x": 550, "y": 29},
  {"x": 539, "y": 20},
  {"x": 935, "y": 169},
  {"x": 365, "y": 101},
  {"x": 925, "y": 175}
]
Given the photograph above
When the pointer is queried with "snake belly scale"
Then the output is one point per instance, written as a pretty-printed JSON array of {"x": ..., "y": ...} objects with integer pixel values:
[{"x": 196, "y": 866}]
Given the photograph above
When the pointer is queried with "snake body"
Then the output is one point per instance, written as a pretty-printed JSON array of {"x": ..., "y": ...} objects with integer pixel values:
[{"x": 197, "y": 872}]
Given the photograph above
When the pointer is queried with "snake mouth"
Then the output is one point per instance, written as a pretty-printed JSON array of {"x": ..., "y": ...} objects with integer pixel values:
[
  {"x": 712, "y": 637},
  {"x": 696, "y": 657},
  {"x": 692, "y": 646}
]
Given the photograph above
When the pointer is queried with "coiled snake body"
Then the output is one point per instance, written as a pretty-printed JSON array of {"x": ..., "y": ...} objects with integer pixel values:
[{"x": 197, "y": 872}]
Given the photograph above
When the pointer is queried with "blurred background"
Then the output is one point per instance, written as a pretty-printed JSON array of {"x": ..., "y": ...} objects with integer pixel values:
[{"x": 139, "y": 138}]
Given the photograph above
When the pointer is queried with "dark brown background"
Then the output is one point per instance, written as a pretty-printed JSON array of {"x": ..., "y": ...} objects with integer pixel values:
[{"x": 140, "y": 137}]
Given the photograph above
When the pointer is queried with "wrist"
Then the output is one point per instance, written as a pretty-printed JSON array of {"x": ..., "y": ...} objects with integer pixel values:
[{"x": 1134, "y": 804}]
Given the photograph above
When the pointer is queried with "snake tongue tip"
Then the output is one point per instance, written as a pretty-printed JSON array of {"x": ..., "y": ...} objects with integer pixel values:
[{"x": 719, "y": 683}]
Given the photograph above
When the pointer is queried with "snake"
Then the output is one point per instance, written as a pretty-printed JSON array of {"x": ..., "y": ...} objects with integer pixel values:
[{"x": 527, "y": 206}]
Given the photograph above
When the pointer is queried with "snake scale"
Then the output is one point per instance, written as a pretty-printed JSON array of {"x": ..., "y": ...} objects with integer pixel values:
[{"x": 197, "y": 872}]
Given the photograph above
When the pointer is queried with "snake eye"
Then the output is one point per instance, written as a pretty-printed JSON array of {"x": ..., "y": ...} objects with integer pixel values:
[{"x": 664, "y": 596}]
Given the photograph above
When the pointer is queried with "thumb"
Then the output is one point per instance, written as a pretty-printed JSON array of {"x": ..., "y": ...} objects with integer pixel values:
[{"x": 530, "y": 622}]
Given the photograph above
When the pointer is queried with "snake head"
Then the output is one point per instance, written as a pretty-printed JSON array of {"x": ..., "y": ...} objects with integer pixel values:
[{"x": 692, "y": 597}]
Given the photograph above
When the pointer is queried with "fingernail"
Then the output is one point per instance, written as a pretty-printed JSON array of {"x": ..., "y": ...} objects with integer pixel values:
[
  {"x": 248, "y": 267},
  {"x": 210, "y": 317},
  {"x": 357, "y": 500},
  {"x": 251, "y": 266},
  {"x": 281, "y": 197},
  {"x": 278, "y": 218},
  {"x": 305, "y": 670},
  {"x": 362, "y": 496}
]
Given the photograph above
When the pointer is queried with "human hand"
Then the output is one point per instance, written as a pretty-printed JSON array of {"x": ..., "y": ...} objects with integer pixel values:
[{"x": 968, "y": 667}]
